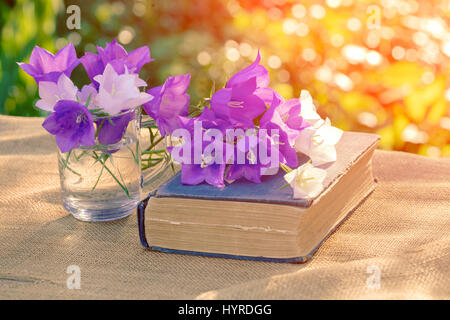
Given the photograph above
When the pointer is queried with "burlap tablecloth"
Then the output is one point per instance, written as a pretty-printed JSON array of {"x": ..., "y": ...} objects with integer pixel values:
[{"x": 401, "y": 230}]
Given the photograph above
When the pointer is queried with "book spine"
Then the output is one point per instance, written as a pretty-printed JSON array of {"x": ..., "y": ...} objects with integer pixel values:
[{"x": 141, "y": 219}]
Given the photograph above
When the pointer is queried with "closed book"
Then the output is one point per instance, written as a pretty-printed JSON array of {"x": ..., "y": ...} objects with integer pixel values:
[{"x": 244, "y": 220}]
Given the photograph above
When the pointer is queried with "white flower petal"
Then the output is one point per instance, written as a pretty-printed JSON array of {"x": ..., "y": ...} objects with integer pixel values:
[
  {"x": 51, "y": 92},
  {"x": 308, "y": 110},
  {"x": 304, "y": 140},
  {"x": 66, "y": 88},
  {"x": 323, "y": 154},
  {"x": 290, "y": 176},
  {"x": 318, "y": 142},
  {"x": 42, "y": 104},
  {"x": 143, "y": 98},
  {"x": 306, "y": 181},
  {"x": 48, "y": 92},
  {"x": 331, "y": 135},
  {"x": 119, "y": 92}
]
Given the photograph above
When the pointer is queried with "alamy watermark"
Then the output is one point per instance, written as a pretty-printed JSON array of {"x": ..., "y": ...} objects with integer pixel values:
[
  {"x": 74, "y": 280},
  {"x": 232, "y": 146},
  {"x": 373, "y": 282},
  {"x": 73, "y": 22}
]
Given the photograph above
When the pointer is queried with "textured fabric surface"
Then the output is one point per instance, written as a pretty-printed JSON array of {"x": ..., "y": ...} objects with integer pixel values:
[{"x": 401, "y": 230}]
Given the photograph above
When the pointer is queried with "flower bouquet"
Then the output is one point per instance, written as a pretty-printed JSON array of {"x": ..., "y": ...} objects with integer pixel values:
[
  {"x": 247, "y": 130},
  {"x": 97, "y": 128}
]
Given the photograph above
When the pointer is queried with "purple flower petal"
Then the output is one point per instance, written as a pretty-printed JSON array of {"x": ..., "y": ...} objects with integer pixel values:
[
  {"x": 253, "y": 70},
  {"x": 152, "y": 107},
  {"x": 170, "y": 101},
  {"x": 113, "y": 133},
  {"x": 253, "y": 173},
  {"x": 72, "y": 125},
  {"x": 42, "y": 60},
  {"x": 115, "y": 55},
  {"x": 66, "y": 59},
  {"x": 191, "y": 174},
  {"x": 214, "y": 174},
  {"x": 235, "y": 172},
  {"x": 219, "y": 103},
  {"x": 252, "y": 108},
  {"x": 112, "y": 51},
  {"x": 269, "y": 96},
  {"x": 93, "y": 65},
  {"x": 51, "y": 125},
  {"x": 238, "y": 104},
  {"x": 44, "y": 66},
  {"x": 138, "y": 58},
  {"x": 66, "y": 143},
  {"x": 243, "y": 88}
]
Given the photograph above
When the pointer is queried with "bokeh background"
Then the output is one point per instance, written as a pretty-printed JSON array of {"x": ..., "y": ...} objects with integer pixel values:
[{"x": 373, "y": 66}]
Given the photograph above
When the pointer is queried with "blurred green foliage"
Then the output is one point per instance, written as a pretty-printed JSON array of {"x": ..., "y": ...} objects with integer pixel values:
[
  {"x": 374, "y": 66},
  {"x": 23, "y": 24}
]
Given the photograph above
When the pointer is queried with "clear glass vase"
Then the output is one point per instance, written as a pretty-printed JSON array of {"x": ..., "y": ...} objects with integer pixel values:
[
  {"x": 156, "y": 160},
  {"x": 104, "y": 182}
]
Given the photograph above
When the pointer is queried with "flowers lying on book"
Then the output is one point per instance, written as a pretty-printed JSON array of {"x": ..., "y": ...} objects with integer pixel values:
[
  {"x": 306, "y": 181},
  {"x": 244, "y": 131},
  {"x": 318, "y": 142}
]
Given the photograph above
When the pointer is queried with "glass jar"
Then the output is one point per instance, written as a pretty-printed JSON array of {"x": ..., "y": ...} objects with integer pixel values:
[{"x": 103, "y": 182}]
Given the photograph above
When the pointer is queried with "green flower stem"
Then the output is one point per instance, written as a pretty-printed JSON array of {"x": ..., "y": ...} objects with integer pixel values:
[
  {"x": 65, "y": 163},
  {"x": 286, "y": 185},
  {"x": 154, "y": 144},
  {"x": 73, "y": 171},
  {"x": 80, "y": 156},
  {"x": 135, "y": 154},
  {"x": 98, "y": 179},
  {"x": 124, "y": 188},
  {"x": 152, "y": 164},
  {"x": 153, "y": 151},
  {"x": 153, "y": 155},
  {"x": 100, "y": 126}
]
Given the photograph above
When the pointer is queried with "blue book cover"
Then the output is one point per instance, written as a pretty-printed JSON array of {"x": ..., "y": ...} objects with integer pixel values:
[{"x": 349, "y": 149}]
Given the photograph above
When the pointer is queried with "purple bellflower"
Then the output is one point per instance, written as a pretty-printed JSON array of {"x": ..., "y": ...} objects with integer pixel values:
[
  {"x": 210, "y": 170},
  {"x": 245, "y": 95},
  {"x": 286, "y": 116},
  {"x": 255, "y": 70},
  {"x": 112, "y": 130},
  {"x": 72, "y": 124},
  {"x": 272, "y": 120},
  {"x": 251, "y": 169},
  {"x": 115, "y": 55},
  {"x": 238, "y": 104},
  {"x": 45, "y": 66},
  {"x": 193, "y": 174},
  {"x": 170, "y": 101}
]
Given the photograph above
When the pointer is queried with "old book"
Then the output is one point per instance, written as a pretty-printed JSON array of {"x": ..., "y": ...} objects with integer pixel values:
[{"x": 244, "y": 220}]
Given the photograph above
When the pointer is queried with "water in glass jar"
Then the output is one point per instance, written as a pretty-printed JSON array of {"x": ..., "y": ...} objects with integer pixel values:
[{"x": 102, "y": 182}]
